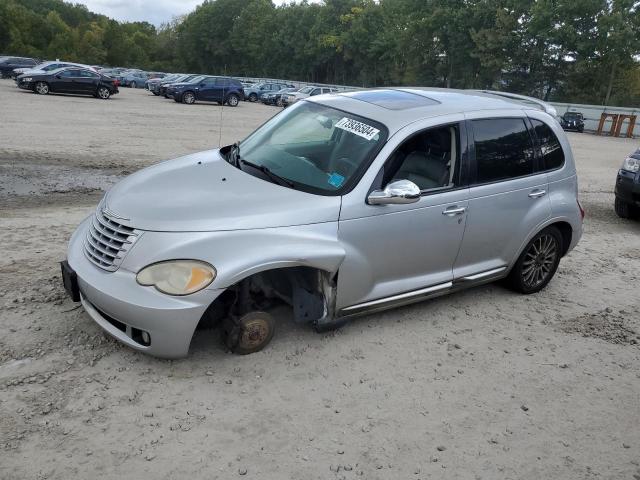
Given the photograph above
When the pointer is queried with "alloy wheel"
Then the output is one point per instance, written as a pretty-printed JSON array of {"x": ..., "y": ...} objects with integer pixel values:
[
  {"x": 232, "y": 101},
  {"x": 188, "y": 98},
  {"x": 539, "y": 260},
  {"x": 42, "y": 88},
  {"x": 103, "y": 93}
]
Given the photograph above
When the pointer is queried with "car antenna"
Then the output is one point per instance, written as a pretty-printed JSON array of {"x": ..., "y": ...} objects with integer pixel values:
[{"x": 221, "y": 110}]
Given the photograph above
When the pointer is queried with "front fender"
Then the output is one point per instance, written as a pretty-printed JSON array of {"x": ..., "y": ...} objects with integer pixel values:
[{"x": 238, "y": 254}]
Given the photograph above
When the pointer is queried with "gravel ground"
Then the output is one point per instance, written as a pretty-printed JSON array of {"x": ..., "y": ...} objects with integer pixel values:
[{"x": 480, "y": 384}]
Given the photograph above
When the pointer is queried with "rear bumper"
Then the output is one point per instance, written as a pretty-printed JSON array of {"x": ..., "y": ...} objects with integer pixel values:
[{"x": 628, "y": 187}]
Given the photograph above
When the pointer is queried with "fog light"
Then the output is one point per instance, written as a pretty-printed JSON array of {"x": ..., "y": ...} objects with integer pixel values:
[{"x": 146, "y": 339}]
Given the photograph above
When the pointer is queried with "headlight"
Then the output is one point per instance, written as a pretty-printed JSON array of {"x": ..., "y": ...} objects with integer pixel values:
[
  {"x": 177, "y": 277},
  {"x": 631, "y": 164}
]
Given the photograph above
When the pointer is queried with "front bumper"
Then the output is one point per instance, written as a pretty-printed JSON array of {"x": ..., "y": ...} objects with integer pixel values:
[
  {"x": 124, "y": 309},
  {"x": 25, "y": 85},
  {"x": 628, "y": 187}
]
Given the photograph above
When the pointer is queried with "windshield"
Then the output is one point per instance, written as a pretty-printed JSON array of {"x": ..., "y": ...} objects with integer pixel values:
[
  {"x": 197, "y": 79},
  {"x": 305, "y": 89},
  {"x": 572, "y": 116},
  {"x": 316, "y": 148}
]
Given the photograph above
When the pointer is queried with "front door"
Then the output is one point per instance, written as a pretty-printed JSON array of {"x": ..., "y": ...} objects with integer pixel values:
[
  {"x": 507, "y": 198},
  {"x": 402, "y": 250}
]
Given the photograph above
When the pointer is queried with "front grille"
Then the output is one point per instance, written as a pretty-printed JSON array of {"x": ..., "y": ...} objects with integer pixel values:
[{"x": 108, "y": 241}]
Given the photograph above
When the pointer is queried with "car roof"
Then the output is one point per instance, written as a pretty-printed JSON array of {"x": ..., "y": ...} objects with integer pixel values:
[{"x": 398, "y": 107}]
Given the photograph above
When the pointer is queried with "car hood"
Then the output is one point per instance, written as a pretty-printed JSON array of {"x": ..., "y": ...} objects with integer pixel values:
[
  {"x": 29, "y": 71},
  {"x": 203, "y": 192}
]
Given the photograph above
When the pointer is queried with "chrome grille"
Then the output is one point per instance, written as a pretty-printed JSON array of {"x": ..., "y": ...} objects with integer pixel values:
[{"x": 107, "y": 241}]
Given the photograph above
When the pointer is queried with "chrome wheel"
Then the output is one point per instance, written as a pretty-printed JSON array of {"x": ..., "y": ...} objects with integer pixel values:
[
  {"x": 232, "y": 101},
  {"x": 42, "y": 88},
  {"x": 104, "y": 93},
  {"x": 539, "y": 261},
  {"x": 188, "y": 98}
]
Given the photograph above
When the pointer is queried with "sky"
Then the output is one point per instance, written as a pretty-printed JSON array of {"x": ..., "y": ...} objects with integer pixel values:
[{"x": 152, "y": 11}]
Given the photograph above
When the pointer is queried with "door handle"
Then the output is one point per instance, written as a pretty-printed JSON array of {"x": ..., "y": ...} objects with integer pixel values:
[
  {"x": 451, "y": 211},
  {"x": 537, "y": 193}
]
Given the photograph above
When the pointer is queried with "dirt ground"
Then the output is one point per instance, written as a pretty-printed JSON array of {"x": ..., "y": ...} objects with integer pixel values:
[{"x": 483, "y": 384}]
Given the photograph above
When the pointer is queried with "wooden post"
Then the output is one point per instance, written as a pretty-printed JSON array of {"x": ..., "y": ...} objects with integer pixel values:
[{"x": 614, "y": 122}]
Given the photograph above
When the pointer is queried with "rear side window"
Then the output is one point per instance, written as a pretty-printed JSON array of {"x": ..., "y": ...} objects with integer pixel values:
[
  {"x": 504, "y": 149},
  {"x": 550, "y": 148}
]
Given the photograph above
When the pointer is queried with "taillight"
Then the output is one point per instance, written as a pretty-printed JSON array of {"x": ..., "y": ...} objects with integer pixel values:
[{"x": 581, "y": 210}]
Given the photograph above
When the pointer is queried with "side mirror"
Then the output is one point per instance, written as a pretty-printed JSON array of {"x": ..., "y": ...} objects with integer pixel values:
[{"x": 397, "y": 192}]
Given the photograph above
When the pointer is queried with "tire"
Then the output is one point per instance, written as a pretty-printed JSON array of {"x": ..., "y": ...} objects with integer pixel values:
[
  {"x": 156, "y": 93},
  {"x": 103, "y": 93},
  {"x": 623, "y": 209},
  {"x": 250, "y": 333},
  {"x": 537, "y": 263},
  {"x": 279, "y": 102},
  {"x": 233, "y": 100},
  {"x": 41, "y": 88},
  {"x": 189, "y": 98},
  {"x": 253, "y": 97},
  {"x": 133, "y": 85}
]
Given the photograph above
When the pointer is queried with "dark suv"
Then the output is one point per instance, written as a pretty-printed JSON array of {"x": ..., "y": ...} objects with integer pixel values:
[
  {"x": 627, "y": 202},
  {"x": 223, "y": 90},
  {"x": 7, "y": 64},
  {"x": 572, "y": 121}
]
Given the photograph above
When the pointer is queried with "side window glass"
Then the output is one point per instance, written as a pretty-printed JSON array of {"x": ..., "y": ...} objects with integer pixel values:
[
  {"x": 429, "y": 159},
  {"x": 550, "y": 148},
  {"x": 503, "y": 149}
]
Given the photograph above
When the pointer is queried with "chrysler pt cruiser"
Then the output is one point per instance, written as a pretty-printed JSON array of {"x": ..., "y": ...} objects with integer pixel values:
[{"x": 342, "y": 205}]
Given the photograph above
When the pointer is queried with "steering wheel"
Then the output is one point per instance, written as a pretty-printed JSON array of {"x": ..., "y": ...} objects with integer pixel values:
[{"x": 345, "y": 166}]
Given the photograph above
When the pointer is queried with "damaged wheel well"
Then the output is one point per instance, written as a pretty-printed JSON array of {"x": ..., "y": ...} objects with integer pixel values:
[{"x": 309, "y": 291}]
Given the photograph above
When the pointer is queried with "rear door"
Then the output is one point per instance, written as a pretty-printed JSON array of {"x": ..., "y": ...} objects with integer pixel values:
[
  {"x": 508, "y": 197},
  {"x": 86, "y": 81}
]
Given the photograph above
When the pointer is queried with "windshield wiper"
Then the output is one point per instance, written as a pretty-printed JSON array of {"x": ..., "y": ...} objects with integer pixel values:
[{"x": 265, "y": 170}]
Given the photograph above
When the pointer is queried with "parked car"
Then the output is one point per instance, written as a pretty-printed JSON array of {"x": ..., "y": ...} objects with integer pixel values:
[
  {"x": 339, "y": 206},
  {"x": 627, "y": 201},
  {"x": 164, "y": 85},
  {"x": 275, "y": 98},
  {"x": 46, "y": 67},
  {"x": 305, "y": 92},
  {"x": 254, "y": 93},
  {"x": 133, "y": 79},
  {"x": 153, "y": 84},
  {"x": 9, "y": 64},
  {"x": 222, "y": 90},
  {"x": 70, "y": 80},
  {"x": 572, "y": 121}
]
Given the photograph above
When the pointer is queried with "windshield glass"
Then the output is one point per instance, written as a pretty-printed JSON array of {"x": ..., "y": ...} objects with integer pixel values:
[
  {"x": 305, "y": 89},
  {"x": 572, "y": 116},
  {"x": 316, "y": 148}
]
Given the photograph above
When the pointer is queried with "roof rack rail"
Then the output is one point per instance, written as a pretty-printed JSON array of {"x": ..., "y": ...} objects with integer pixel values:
[{"x": 542, "y": 105}]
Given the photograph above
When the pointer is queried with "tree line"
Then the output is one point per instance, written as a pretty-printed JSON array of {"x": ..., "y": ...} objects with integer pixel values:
[{"x": 585, "y": 51}]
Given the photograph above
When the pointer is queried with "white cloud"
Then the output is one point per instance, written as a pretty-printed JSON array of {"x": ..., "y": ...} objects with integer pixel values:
[{"x": 152, "y": 11}]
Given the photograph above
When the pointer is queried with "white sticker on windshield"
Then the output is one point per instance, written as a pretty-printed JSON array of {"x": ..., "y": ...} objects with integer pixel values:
[{"x": 358, "y": 128}]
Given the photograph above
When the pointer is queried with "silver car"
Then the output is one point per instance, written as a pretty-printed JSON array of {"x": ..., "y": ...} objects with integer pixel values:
[{"x": 338, "y": 206}]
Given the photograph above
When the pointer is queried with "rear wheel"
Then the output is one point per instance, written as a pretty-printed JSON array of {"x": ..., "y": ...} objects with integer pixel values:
[
  {"x": 233, "y": 100},
  {"x": 253, "y": 97},
  {"x": 538, "y": 262},
  {"x": 189, "y": 98},
  {"x": 250, "y": 333},
  {"x": 103, "y": 93},
  {"x": 42, "y": 88}
]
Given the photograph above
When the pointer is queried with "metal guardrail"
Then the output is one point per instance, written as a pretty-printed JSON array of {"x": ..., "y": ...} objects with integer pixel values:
[{"x": 592, "y": 114}]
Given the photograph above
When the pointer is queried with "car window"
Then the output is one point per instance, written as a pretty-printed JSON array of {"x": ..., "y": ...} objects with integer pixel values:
[
  {"x": 318, "y": 148},
  {"x": 222, "y": 82},
  {"x": 67, "y": 73},
  {"x": 504, "y": 149},
  {"x": 550, "y": 148},
  {"x": 315, "y": 91},
  {"x": 429, "y": 159},
  {"x": 86, "y": 74}
]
